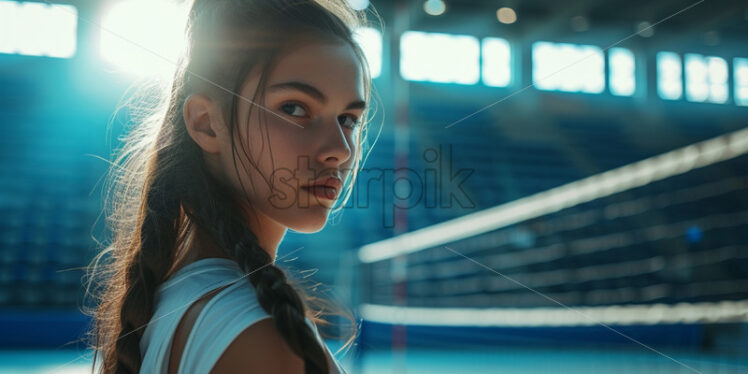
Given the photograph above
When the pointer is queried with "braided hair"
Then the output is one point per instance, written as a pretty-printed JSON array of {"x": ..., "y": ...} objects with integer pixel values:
[{"x": 160, "y": 181}]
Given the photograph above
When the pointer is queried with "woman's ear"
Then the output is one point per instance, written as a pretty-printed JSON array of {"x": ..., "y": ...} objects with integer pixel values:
[{"x": 203, "y": 121}]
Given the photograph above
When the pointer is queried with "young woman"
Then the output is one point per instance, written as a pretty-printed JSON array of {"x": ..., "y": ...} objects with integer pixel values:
[{"x": 262, "y": 130}]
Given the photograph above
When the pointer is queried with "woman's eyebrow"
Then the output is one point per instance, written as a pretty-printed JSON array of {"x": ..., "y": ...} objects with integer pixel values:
[{"x": 313, "y": 92}]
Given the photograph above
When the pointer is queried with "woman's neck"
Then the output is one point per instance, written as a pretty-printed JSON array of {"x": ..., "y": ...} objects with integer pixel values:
[
  {"x": 195, "y": 247},
  {"x": 268, "y": 231},
  {"x": 198, "y": 245}
]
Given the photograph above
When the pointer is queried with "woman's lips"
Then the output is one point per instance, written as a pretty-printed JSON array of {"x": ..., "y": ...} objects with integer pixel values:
[
  {"x": 325, "y": 187},
  {"x": 322, "y": 192}
]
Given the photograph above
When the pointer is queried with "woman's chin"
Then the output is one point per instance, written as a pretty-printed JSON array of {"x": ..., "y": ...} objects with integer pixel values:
[
  {"x": 310, "y": 223},
  {"x": 307, "y": 229}
]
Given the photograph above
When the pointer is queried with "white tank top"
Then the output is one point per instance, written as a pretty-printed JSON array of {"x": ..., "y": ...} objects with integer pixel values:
[{"x": 226, "y": 315}]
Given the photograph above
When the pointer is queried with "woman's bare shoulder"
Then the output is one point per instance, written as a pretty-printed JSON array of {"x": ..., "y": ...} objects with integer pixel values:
[{"x": 259, "y": 348}]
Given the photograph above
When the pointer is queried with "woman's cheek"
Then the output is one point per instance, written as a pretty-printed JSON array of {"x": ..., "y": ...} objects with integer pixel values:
[{"x": 287, "y": 145}]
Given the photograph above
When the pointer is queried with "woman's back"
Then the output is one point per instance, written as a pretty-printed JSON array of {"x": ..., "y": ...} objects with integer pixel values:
[{"x": 202, "y": 315}]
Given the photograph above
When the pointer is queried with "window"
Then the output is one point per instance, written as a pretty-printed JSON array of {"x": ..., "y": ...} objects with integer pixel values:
[
  {"x": 740, "y": 74},
  {"x": 496, "y": 62},
  {"x": 706, "y": 78},
  {"x": 621, "y": 68},
  {"x": 370, "y": 40},
  {"x": 568, "y": 67},
  {"x": 669, "y": 76},
  {"x": 436, "y": 57},
  {"x": 38, "y": 29}
]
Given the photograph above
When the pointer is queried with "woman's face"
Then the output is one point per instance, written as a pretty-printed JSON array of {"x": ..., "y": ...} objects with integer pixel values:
[{"x": 306, "y": 129}]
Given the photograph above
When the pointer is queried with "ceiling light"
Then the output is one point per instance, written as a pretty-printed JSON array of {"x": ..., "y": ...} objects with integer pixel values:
[{"x": 506, "y": 15}]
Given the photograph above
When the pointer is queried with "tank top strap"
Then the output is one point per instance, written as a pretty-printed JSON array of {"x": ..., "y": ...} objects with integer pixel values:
[{"x": 223, "y": 318}]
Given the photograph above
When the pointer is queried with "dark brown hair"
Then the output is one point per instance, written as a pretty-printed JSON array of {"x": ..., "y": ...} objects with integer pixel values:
[{"x": 159, "y": 182}]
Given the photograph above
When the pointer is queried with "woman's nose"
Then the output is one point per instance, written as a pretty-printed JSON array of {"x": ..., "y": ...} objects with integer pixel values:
[{"x": 335, "y": 148}]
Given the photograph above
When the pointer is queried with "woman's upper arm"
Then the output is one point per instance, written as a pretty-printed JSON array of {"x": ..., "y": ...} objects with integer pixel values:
[{"x": 261, "y": 349}]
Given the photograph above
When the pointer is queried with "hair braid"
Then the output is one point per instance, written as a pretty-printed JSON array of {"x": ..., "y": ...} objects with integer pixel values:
[
  {"x": 158, "y": 234},
  {"x": 281, "y": 300}
]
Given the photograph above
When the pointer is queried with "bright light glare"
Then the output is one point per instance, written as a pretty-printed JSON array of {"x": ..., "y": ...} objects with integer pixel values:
[
  {"x": 496, "y": 64},
  {"x": 370, "y": 40},
  {"x": 740, "y": 66},
  {"x": 143, "y": 37},
  {"x": 622, "y": 68},
  {"x": 436, "y": 57},
  {"x": 669, "y": 76},
  {"x": 568, "y": 67},
  {"x": 38, "y": 29},
  {"x": 706, "y": 78}
]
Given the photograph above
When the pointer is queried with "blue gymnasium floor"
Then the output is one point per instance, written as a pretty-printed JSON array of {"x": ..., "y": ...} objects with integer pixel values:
[{"x": 435, "y": 361}]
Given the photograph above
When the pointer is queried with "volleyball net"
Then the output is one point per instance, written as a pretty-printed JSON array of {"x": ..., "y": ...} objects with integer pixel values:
[{"x": 659, "y": 241}]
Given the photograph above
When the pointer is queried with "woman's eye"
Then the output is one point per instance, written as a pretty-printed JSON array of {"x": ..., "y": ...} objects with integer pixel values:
[
  {"x": 293, "y": 109},
  {"x": 348, "y": 120}
]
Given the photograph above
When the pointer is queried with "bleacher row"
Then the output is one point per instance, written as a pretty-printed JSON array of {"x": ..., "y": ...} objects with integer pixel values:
[{"x": 48, "y": 207}]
